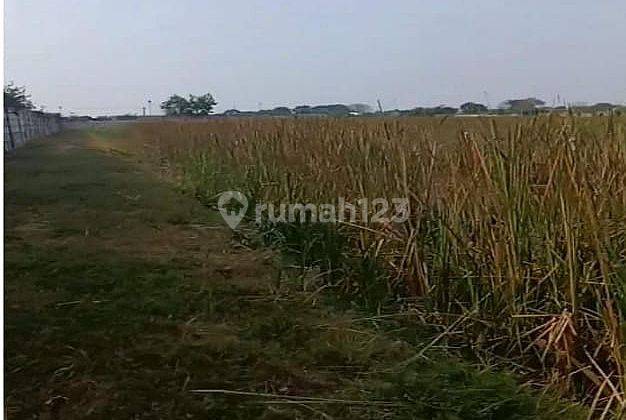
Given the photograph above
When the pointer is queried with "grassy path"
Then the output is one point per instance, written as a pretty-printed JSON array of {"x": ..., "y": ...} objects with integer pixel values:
[{"x": 122, "y": 297}]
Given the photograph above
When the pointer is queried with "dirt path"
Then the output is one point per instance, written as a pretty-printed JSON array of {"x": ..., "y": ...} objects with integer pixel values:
[{"x": 123, "y": 297}]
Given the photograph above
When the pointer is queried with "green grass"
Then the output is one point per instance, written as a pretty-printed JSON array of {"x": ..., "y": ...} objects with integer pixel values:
[{"x": 122, "y": 296}]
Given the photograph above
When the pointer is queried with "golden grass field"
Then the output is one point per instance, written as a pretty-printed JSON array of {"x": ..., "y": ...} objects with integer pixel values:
[{"x": 515, "y": 245}]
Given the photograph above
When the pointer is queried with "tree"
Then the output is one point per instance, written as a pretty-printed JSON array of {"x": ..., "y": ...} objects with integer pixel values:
[
  {"x": 360, "y": 108},
  {"x": 334, "y": 110},
  {"x": 232, "y": 112},
  {"x": 302, "y": 109},
  {"x": 281, "y": 111},
  {"x": 202, "y": 105},
  {"x": 523, "y": 106},
  {"x": 473, "y": 108},
  {"x": 16, "y": 97},
  {"x": 438, "y": 110},
  {"x": 176, "y": 105},
  {"x": 444, "y": 110}
]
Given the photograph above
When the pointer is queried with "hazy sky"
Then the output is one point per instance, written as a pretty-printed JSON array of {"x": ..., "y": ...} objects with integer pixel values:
[{"x": 111, "y": 56}]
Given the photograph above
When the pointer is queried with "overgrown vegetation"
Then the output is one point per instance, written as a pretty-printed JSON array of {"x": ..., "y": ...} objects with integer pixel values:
[
  {"x": 516, "y": 240},
  {"x": 16, "y": 97},
  {"x": 125, "y": 299}
]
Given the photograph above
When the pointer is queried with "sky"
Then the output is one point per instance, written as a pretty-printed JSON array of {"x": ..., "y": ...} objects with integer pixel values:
[{"x": 113, "y": 56}]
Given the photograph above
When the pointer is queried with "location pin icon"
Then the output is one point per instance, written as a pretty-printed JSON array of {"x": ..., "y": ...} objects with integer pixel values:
[{"x": 232, "y": 217}]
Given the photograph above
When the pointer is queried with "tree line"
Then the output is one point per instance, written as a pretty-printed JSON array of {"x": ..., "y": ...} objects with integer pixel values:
[
  {"x": 16, "y": 97},
  {"x": 203, "y": 105}
]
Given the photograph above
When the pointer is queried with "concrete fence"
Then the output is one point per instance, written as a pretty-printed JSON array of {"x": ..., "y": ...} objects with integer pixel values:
[{"x": 21, "y": 125}]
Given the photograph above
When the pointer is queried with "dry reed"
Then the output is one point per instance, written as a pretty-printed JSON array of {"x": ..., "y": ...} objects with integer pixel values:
[{"x": 517, "y": 225}]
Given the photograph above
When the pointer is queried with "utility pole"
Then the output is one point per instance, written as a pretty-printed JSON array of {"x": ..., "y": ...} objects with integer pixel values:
[
  {"x": 149, "y": 107},
  {"x": 143, "y": 111},
  {"x": 380, "y": 106}
]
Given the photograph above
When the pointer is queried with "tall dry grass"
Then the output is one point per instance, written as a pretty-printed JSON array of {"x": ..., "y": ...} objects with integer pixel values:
[{"x": 517, "y": 230}]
